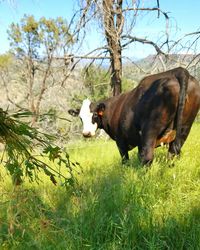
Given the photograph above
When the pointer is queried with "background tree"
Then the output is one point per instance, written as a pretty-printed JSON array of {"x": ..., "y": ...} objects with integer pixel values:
[
  {"x": 21, "y": 144},
  {"x": 36, "y": 44}
]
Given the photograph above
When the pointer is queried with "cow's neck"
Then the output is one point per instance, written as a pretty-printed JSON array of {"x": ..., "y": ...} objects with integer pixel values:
[
  {"x": 106, "y": 122},
  {"x": 107, "y": 127}
]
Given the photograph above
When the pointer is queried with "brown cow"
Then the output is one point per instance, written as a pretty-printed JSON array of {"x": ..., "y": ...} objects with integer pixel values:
[{"x": 161, "y": 109}]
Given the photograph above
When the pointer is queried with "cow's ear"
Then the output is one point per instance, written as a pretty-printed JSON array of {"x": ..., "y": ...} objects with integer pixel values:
[
  {"x": 101, "y": 108},
  {"x": 74, "y": 112}
]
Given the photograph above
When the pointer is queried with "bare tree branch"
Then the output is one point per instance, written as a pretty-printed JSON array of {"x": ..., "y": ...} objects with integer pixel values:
[
  {"x": 135, "y": 64},
  {"x": 158, "y": 5},
  {"x": 186, "y": 35},
  {"x": 194, "y": 58},
  {"x": 147, "y": 9},
  {"x": 87, "y": 56},
  {"x": 83, "y": 57},
  {"x": 142, "y": 40}
]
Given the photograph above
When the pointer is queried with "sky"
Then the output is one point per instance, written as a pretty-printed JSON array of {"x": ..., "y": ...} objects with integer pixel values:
[{"x": 184, "y": 19}]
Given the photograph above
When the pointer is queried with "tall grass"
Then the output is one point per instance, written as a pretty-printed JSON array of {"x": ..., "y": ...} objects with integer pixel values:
[{"x": 112, "y": 207}]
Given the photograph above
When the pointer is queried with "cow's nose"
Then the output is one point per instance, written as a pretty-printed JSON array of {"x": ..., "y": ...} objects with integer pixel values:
[{"x": 87, "y": 134}]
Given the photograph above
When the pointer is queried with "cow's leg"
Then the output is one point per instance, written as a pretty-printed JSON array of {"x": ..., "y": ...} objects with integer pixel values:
[
  {"x": 123, "y": 150},
  {"x": 174, "y": 148},
  {"x": 139, "y": 151},
  {"x": 146, "y": 148},
  {"x": 176, "y": 145}
]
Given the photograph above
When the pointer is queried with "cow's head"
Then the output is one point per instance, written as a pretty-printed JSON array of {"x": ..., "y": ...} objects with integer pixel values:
[{"x": 91, "y": 117}]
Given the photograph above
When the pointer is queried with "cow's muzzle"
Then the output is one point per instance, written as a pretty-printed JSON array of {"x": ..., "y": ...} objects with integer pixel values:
[{"x": 87, "y": 134}]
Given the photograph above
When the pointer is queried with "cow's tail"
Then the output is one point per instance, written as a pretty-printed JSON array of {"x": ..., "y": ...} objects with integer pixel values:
[{"x": 182, "y": 76}]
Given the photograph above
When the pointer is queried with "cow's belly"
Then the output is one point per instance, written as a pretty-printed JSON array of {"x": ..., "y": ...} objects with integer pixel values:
[
  {"x": 132, "y": 139},
  {"x": 168, "y": 137}
]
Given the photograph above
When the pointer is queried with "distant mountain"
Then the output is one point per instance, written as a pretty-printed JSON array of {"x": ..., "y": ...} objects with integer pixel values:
[
  {"x": 152, "y": 64},
  {"x": 172, "y": 60}
]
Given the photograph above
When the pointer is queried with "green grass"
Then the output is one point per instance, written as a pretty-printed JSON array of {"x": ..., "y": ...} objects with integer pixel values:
[{"x": 112, "y": 207}]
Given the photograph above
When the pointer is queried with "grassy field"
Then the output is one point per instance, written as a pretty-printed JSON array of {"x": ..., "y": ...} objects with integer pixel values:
[{"x": 112, "y": 207}]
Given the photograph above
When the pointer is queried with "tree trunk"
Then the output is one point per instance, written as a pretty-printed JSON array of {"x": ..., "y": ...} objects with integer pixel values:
[
  {"x": 31, "y": 79},
  {"x": 113, "y": 28},
  {"x": 116, "y": 70}
]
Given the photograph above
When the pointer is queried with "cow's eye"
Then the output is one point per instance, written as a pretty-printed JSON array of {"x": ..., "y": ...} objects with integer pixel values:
[{"x": 94, "y": 117}]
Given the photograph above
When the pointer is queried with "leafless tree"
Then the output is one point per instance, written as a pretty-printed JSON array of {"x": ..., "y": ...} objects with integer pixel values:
[
  {"x": 118, "y": 19},
  {"x": 114, "y": 15}
]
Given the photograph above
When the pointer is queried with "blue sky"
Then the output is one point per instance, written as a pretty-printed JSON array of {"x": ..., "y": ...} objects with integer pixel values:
[{"x": 184, "y": 19}]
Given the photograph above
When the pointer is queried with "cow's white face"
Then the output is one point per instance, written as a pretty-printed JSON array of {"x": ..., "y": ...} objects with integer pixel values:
[{"x": 85, "y": 114}]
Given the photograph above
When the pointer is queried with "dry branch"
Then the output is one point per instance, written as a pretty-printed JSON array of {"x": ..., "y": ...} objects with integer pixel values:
[
  {"x": 142, "y": 40},
  {"x": 147, "y": 9}
]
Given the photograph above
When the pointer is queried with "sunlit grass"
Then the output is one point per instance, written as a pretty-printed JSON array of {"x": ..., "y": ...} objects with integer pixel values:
[{"x": 111, "y": 207}]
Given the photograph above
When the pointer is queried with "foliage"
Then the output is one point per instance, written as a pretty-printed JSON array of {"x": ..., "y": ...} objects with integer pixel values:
[
  {"x": 5, "y": 61},
  {"x": 23, "y": 148},
  {"x": 24, "y": 38},
  {"x": 114, "y": 207},
  {"x": 128, "y": 84},
  {"x": 32, "y": 38},
  {"x": 96, "y": 79}
]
